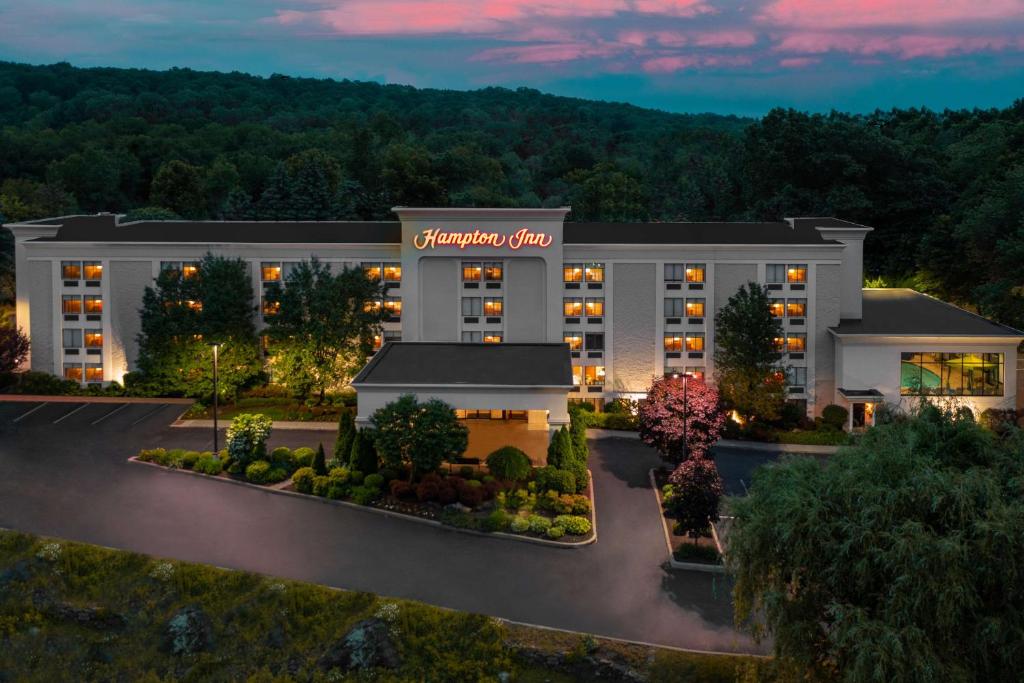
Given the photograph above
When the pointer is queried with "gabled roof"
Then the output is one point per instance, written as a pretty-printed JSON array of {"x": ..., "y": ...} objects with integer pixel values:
[
  {"x": 450, "y": 363},
  {"x": 904, "y": 312}
]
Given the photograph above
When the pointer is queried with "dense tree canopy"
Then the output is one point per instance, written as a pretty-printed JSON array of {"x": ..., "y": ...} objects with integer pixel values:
[{"x": 942, "y": 189}]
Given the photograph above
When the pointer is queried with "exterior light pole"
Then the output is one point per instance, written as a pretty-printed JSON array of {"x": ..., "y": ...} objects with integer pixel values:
[
  {"x": 686, "y": 412},
  {"x": 216, "y": 348}
]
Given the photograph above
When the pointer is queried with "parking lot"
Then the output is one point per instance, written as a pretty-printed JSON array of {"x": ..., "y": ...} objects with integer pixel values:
[{"x": 105, "y": 415}]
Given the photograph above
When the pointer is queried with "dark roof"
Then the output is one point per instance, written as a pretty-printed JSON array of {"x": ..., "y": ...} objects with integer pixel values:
[
  {"x": 801, "y": 231},
  {"x": 444, "y": 363},
  {"x": 103, "y": 228},
  {"x": 863, "y": 394},
  {"x": 904, "y": 312}
]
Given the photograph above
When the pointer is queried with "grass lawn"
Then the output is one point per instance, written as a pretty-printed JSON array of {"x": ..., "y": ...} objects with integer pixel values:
[
  {"x": 278, "y": 409},
  {"x": 71, "y": 611}
]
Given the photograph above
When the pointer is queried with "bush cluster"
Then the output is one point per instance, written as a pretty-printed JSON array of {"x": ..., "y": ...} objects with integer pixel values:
[
  {"x": 573, "y": 524},
  {"x": 554, "y": 503},
  {"x": 178, "y": 458},
  {"x": 568, "y": 449}
]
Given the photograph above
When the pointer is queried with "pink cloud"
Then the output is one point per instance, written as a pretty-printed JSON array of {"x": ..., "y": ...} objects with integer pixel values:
[
  {"x": 798, "y": 62},
  {"x": 902, "y": 46},
  {"x": 848, "y": 14},
  {"x": 725, "y": 39},
  {"x": 545, "y": 53},
  {"x": 673, "y": 63}
]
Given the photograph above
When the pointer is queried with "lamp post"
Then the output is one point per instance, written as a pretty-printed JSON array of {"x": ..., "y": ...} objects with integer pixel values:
[
  {"x": 216, "y": 451},
  {"x": 686, "y": 409}
]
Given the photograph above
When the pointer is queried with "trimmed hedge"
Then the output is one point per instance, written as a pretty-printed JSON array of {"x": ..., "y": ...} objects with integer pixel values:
[{"x": 508, "y": 463}]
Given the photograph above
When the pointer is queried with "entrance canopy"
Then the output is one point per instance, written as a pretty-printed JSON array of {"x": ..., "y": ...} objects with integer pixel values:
[
  {"x": 531, "y": 380},
  {"x": 862, "y": 395}
]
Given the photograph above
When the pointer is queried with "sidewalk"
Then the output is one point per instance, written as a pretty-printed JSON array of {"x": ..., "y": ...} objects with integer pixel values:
[{"x": 224, "y": 422}]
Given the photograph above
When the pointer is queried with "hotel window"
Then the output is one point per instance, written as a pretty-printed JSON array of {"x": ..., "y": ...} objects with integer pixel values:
[
  {"x": 572, "y": 272},
  {"x": 392, "y": 272},
  {"x": 673, "y": 343},
  {"x": 796, "y": 308},
  {"x": 93, "y": 338},
  {"x": 271, "y": 307},
  {"x": 372, "y": 306},
  {"x": 92, "y": 270},
  {"x": 595, "y": 307},
  {"x": 777, "y": 307},
  {"x": 492, "y": 338},
  {"x": 775, "y": 273},
  {"x": 780, "y": 344},
  {"x": 572, "y": 307},
  {"x": 675, "y": 308},
  {"x": 696, "y": 372},
  {"x": 393, "y": 306},
  {"x": 695, "y": 272},
  {"x": 72, "y": 339},
  {"x": 372, "y": 271},
  {"x": 593, "y": 375},
  {"x": 471, "y": 305},
  {"x": 170, "y": 269},
  {"x": 951, "y": 374},
  {"x": 695, "y": 342},
  {"x": 270, "y": 272},
  {"x": 796, "y": 273},
  {"x": 595, "y": 341},
  {"x": 594, "y": 272},
  {"x": 494, "y": 271},
  {"x": 94, "y": 304},
  {"x": 93, "y": 372},
  {"x": 471, "y": 272},
  {"x": 471, "y": 337},
  {"x": 796, "y": 343},
  {"x": 71, "y": 304},
  {"x": 189, "y": 269},
  {"x": 494, "y": 306},
  {"x": 577, "y": 375},
  {"x": 695, "y": 308},
  {"x": 574, "y": 340},
  {"x": 675, "y": 272},
  {"x": 73, "y": 371},
  {"x": 71, "y": 270},
  {"x": 796, "y": 377}
]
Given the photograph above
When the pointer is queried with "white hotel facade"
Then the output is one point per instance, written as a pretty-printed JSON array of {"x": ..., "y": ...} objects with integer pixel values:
[{"x": 630, "y": 301}]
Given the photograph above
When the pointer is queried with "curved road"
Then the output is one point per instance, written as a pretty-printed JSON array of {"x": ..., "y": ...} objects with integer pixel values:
[{"x": 63, "y": 472}]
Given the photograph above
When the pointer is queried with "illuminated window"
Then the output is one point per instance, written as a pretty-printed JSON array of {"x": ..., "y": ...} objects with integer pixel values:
[
  {"x": 595, "y": 341},
  {"x": 775, "y": 273},
  {"x": 594, "y": 272},
  {"x": 471, "y": 305},
  {"x": 695, "y": 342},
  {"x": 796, "y": 273},
  {"x": 572, "y": 272},
  {"x": 494, "y": 306},
  {"x": 72, "y": 339},
  {"x": 796, "y": 343},
  {"x": 572, "y": 307},
  {"x": 93, "y": 373},
  {"x": 93, "y": 304},
  {"x": 674, "y": 342},
  {"x": 194, "y": 305},
  {"x": 595, "y": 307},
  {"x": 574, "y": 340},
  {"x": 189, "y": 270},
  {"x": 674, "y": 308},
  {"x": 271, "y": 307},
  {"x": 93, "y": 270},
  {"x": 796, "y": 308},
  {"x": 780, "y": 344},
  {"x": 695, "y": 308},
  {"x": 695, "y": 272},
  {"x": 494, "y": 271},
  {"x": 951, "y": 374},
  {"x": 71, "y": 270},
  {"x": 71, "y": 303},
  {"x": 93, "y": 338},
  {"x": 675, "y": 272},
  {"x": 170, "y": 269},
  {"x": 777, "y": 307},
  {"x": 577, "y": 375},
  {"x": 492, "y": 338},
  {"x": 392, "y": 272},
  {"x": 471, "y": 272},
  {"x": 393, "y": 305},
  {"x": 695, "y": 372},
  {"x": 270, "y": 272},
  {"x": 372, "y": 271},
  {"x": 73, "y": 371},
  {"x": 372, "y": 306},
  {"x": 471, "y": 337},
  {"x": 593, "y": 374}
]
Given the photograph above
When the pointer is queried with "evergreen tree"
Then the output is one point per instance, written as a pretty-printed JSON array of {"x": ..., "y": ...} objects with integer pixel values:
[
  {"x": 346, "y": 434},
  {"x": 363, "y": 457},
  {"x": 238, "y": 206},
  {"x": 178, "y": 186},
  {"x": 320, "y": 460},
  {"x": 275, "y": 202}
]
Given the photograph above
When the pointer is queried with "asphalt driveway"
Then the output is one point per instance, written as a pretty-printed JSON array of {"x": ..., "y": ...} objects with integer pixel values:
[{"x": 63, "y": 472}]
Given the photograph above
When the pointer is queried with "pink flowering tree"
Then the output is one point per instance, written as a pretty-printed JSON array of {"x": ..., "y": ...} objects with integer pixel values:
[
  {"x": 692, "y": 500},
  {"x": 669, "y": 406}
]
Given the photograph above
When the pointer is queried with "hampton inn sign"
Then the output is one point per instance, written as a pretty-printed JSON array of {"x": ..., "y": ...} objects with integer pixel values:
[{"x": 432, "y": 238}]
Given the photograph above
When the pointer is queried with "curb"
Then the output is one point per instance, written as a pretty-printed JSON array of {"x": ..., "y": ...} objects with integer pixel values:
[
  {"x": 564, "y": 545},
  {"x": 594, "y": 433},
  {"x": 672, "y": 561},
  {"x": 283, "y": 424}
]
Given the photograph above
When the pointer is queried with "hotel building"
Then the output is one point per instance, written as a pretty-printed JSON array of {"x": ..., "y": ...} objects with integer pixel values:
[{"x": 592, "y": 311}]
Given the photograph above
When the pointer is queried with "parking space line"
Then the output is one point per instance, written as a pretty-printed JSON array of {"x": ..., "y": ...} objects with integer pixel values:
[
  {"x": 106, "y": 415},
  {"x": 67, "y": 415},
  {"x": 150, "y": 413},
  {"x": 24, "y": 415}
]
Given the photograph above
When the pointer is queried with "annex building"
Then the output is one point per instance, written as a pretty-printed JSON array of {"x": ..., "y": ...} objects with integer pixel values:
[{"x": 505, "y": 312}]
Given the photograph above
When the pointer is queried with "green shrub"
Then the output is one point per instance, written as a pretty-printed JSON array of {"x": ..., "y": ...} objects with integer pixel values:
[
  {"x": 508, "y": 463},
  {"x": 247, "y": 437},
  {"x": 573, "y": 524},
  {"x": 363, "y": 456},
  {"x": 375, "y": 481},
  {"x": 320, "y": 460},
  {"x": 466, "y": 471},
  {"x": 364, "y": 495},
  {"x": 833, "y": 416},
  {"x": 156, "y": 455},
  {"x": 338, "y": 475},
  {"x": 337, "y": 492},
  {"x": 580, "y": 505},
  {"x": 258, "y": 472},
  {"x": 356, "y": 477},
  {"x": 487, "y": 478},
  {"x": 276, "y": 474},
  {"x": 303, "y": 457},
  {"x": 302, "y": 479},
  {"x": 321, "y": 482},
  {"x": 388, "y": 474},
  {"x": 538, "y": 524},
  {"x": 498, "y": 520},
  {"x": 519, "y": 525},
  {"x": 999, "y": 421},
  {"x": 555, "y": 532},
  {"x": 346, "y": 434},
  {"x": 206, "y": 464},
  {"x": 553, "y": 479},
  {"x": 459, "y": 520},
  {"x": 621, "y": 421},
  {"x": 188, "y": 459},
  {"x": 691, "y": 552},
  {"x": 281, "y": 455}
]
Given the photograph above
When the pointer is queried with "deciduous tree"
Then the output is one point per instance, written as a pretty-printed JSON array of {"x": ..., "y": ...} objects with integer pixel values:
[
  {"x": 419, "y": 435},
  {"x": 696, "y": 493},
  {"x": 672, "y": 405}
]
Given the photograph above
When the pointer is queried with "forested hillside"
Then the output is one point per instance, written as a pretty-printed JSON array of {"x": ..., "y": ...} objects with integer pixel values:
[{"x": 944, "y": 190}]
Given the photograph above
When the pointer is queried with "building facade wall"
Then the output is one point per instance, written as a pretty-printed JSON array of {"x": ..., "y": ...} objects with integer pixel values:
[
  {"x": 128, "y": 282},
  {"x": 552, "y": 400},
  {"x": 527, "y": 289},
  {"x": 826, "y": 315},
  {"x": 439, "y": 294},
  {"x": 633, "y": 346},
  {"x": 43, "y": 310}
]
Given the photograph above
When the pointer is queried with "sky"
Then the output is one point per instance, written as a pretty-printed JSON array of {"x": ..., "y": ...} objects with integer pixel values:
[{"x": 723, "y": 56}]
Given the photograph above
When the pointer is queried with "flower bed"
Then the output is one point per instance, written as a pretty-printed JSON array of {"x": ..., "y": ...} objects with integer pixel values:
[{"x": 702, "y": 550}]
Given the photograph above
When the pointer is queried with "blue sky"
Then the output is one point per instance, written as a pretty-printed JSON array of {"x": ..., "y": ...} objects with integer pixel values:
[{"x": 679, "y": 55}]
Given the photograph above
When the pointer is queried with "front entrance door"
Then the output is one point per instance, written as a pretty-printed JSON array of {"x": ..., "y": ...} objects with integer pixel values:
[{"x": 859, "y": 415}]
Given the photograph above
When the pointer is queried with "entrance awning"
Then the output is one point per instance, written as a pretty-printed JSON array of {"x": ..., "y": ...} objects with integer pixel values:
[{"x": 862, "y": 395}]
